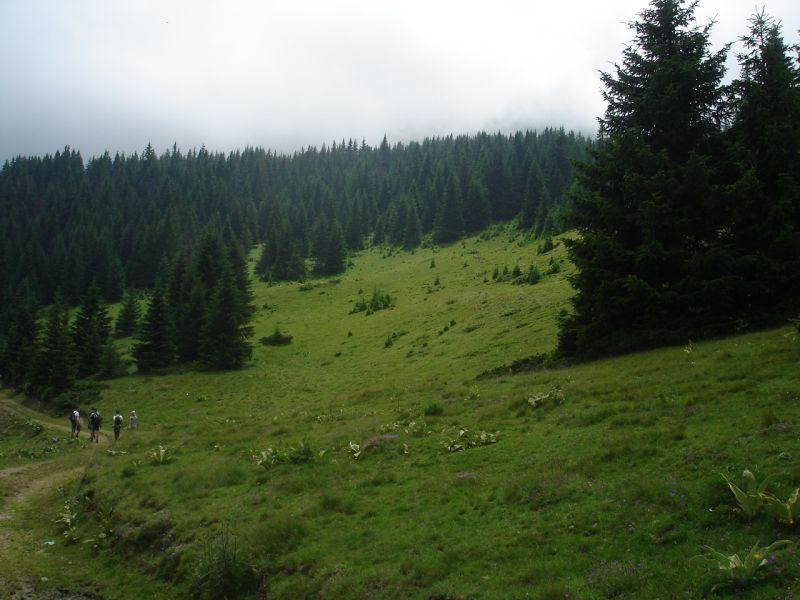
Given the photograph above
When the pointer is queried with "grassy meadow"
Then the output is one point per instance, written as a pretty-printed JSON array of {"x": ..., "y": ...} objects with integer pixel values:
[{"x": 594, "y": 481}]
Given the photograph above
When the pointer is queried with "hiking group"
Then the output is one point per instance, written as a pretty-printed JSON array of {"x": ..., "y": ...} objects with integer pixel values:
[{"x": 96, "y": 420}]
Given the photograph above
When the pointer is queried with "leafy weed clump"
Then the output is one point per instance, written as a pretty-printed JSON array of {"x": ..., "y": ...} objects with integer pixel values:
[
  {"x": 160, "y": 456},
  {"x": 466, "y": 440},
  {"x": 737, "y": 569},
  {"x": 297, "y": 454}
]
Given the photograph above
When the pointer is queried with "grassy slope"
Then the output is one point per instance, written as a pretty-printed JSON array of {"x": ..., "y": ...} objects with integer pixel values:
[{"x": 604, "y": 495}]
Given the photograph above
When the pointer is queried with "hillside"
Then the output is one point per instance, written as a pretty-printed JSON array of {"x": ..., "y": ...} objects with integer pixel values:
[{"x": 602, "y": 489}]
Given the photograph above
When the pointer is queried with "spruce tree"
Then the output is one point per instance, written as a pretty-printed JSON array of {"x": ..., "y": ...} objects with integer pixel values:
[
  {"x": 18, "y": 360},
  {"x": 156, "y": 348},
  {"x": 266, "y": 260},
  {"x": 536, "y": 200},
  {"x": 237, "y": 263},
  {"x": 413, "y": 233},
  {"x": 449, "y": 225},
  {"x": 225, "y": 337},
  {"x": 477, "y": 208},
  {"x": 334, "y": 252},
  {"x": 190, "y": 321},
  {"x": 91, "y": 332},
  {"x": 650, "y": 270},
  {"x": 290, "y": 265},
  {"x": 56, "y": 360},
  {"x": 765, "y": 198},
  {"x": 210, "y": 259},
  {"x": 129, "y": 315}
]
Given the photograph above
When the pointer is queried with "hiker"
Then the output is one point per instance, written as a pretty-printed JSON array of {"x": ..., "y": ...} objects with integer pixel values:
[
  {"x": 117, "y": 424},
  {"x": 75, "y": 421},
  {"x": 95, "y": 420},
  {"x": 134, "y": 420}
]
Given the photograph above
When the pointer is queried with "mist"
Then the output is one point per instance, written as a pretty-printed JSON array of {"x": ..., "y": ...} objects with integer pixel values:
[{"x": 114, "y": 76}]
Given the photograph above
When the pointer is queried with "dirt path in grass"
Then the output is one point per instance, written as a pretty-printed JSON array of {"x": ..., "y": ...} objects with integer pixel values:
[
  {"x": 29, "y": 480},
  {"x": 22, "y": 484},
  {"x": 16, "y": 409},
  {"x": 43, "y": 477}
]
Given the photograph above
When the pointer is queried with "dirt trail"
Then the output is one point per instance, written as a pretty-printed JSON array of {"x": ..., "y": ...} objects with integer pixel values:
[
  {"x": 4, "y": 473},
  {"x": 34, "y": 478},
  {"x": 53, "y": 475},
  {"x": 25, "y": 482},
  {"x": 18, "y": 410}
]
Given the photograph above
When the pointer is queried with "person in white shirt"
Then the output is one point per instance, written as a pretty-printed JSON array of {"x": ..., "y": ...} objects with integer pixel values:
[{"x": 75, "y": 420}]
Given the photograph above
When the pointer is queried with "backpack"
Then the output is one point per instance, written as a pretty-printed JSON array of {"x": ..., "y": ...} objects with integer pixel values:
[
  {"x": 117, "y": 420},
  {"x": 95, "y": 419},
  {"x": 72, "y": 416}
]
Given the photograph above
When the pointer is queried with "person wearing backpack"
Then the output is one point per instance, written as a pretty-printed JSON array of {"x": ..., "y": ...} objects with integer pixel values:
[
  {"x": 75, "y": 421},
  {"x": 95, "y": 420},
  {"x": 117, "y": 424}
]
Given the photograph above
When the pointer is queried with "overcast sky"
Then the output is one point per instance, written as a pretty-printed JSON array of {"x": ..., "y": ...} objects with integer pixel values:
[{"x": 114, "y": 74}]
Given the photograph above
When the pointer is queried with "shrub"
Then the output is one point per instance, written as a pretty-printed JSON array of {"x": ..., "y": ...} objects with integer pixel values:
[
  {"x": 546, "y": 246},
  {"x": 379, "y": 301},
  {"x": 222, "y": 570},
  {"x": 533, "y": 276},
  {"x": 434, "y": 409},
  {"x": 277, "y": 338}
]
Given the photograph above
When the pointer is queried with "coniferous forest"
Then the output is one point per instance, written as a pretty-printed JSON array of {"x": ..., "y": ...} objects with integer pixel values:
[
  {"x": 66, "y": 221},
  {"x": 179, "y": 227}
]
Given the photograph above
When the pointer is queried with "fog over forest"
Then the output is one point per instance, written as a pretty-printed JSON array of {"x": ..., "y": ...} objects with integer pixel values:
[{"x": 96, "y": 75}]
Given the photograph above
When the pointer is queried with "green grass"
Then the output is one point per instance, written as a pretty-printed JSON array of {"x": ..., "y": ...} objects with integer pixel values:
[{"x": 604, "y": 494}]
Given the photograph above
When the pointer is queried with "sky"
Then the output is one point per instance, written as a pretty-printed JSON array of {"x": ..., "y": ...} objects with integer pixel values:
[{"x": 115, "y": 74}]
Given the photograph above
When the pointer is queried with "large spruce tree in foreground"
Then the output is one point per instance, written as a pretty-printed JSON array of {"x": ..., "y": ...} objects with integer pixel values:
[
  {"x": 649, "y": 268},
  {"x": 765, "y": 199}
]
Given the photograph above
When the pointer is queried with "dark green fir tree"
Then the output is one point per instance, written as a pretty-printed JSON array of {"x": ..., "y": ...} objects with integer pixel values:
[
  {"x": 156, "y": 348},
  {"x": 129, "y": 316},
  {"x": 649, "y": 268},
  {"x": 765, "y": 199},
  {"x": 18, "y": 360},
  {"x": 413, "y": 233},
  {"x": 91, "y": 332},
  {"x": 56, "y": 359},
  {"x": 225, "y": 339},
  {"x": 449, "y": 224}
]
